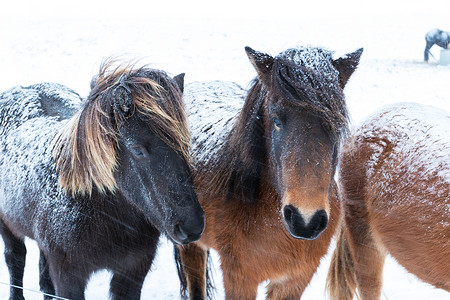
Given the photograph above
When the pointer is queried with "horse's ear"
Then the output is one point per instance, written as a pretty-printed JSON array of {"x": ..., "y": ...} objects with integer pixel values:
[
  {"x": 346, "y": 65},
  {"x": 179, "y": 79},
  {"x": 262, "y": 62},
  {"x": 123, "y": 99}
]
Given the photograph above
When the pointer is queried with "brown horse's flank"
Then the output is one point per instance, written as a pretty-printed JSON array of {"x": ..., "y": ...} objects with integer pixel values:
[
  {"x": 91, "y": 135},
  {"x": 394, "y": 201}
]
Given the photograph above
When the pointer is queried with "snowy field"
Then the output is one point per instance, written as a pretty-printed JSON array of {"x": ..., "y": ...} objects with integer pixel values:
[{"x": 49, "y": 40}]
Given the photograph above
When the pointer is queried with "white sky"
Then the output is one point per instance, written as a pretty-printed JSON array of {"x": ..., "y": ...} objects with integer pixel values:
[{"x": 224, "y": 8}]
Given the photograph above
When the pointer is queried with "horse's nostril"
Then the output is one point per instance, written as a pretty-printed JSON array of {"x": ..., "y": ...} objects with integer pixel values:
[
  {"x": 288, "y": 214},
  {"x": 320, "y": 220},
  {"x": 180, "y": 233}
]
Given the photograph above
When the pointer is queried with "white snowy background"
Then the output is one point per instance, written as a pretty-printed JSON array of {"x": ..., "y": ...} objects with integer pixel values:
[{"x": 64, "y": 42}]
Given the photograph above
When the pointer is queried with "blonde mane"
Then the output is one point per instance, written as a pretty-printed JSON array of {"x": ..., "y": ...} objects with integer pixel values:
[{"x": 85, "y": 151}]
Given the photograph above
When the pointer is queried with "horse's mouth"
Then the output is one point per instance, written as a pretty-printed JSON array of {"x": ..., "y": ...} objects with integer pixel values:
[
  {"x": 182, "y": 237},
  {"x": 188, "y": 230}
]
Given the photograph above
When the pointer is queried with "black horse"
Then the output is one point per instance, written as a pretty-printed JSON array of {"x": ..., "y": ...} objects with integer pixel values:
[
  {"x": 436, "y": 37},
  {"x": 95, "y": 190}
]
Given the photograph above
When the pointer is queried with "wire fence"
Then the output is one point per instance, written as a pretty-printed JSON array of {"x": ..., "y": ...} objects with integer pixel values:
[{"x": 33, "y": 291}]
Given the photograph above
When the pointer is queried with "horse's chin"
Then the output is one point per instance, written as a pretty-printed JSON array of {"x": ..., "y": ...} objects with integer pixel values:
[
  {"x": 178, "y": 237},
  {"x": 309, "y": 237},
  {"x": 184, "y": 232},
  {"x": 179, "y": 234}
]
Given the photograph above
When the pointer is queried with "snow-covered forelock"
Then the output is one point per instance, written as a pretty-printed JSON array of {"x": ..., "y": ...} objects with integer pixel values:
[{"x": 311, "y": 57}]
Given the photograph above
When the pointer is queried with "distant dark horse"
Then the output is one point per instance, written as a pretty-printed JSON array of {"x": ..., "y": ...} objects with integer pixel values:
[
  {"x": 436, "y": 37},
  {"x": 96, "y": 190},
  {"x": 395, "y": 178},
  {"x": 265, "y": 164}
]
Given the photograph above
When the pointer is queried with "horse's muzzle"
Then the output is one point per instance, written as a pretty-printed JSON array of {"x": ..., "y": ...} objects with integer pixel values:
[
  {"x": 300, "y": 228},
  {"x": 189, "y": 231}
]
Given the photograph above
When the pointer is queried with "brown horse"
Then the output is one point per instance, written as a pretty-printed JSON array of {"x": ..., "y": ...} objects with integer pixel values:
[
  {"x": 395, "y": 176},
  {"x": 264, "y": 172}
]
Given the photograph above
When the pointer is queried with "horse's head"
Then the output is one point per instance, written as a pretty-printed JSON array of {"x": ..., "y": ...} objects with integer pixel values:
[
  {"x": 305, "y": 116},
  {"x": 131, "y": 139}
]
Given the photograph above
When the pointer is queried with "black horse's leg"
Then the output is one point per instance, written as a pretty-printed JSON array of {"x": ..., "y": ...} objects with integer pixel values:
[
  {"x": 127, "y": 283},
  {"x": 71, "y": 288},
  {"x": 69, "y": 275},
  {"x": 15, "y": 253},
  {"x": 45, "y": 281},
  {"x": 427, "y": 50},
  {"x": 126, "y": 286}
]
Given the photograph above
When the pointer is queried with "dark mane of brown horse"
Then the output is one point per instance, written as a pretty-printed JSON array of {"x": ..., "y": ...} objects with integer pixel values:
[
  {"x": 238, "y": 172},
  {"x": 85, "y": 151}
]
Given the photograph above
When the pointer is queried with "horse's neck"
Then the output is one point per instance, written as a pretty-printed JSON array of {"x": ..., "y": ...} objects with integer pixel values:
[
  {"x": 109, "y": 206},
  {"x": 265, "y": 205},
  {"x": 226, "y": 144}
]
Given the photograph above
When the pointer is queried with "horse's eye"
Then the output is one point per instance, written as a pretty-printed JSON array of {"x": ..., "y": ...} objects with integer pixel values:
[
  {"x": 277, "y": 123},
  {"x": 139, "y": 151}
]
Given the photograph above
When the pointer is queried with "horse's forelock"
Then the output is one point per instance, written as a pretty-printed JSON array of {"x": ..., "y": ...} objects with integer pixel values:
[
  {"x": 306, "y": 78},
  {"x": 85, "y": 150},
  {"x": 163, "y": 106}
]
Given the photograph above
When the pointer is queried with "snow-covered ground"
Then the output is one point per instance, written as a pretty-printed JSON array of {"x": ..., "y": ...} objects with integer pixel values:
[{"x": 51, "y": 40}]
